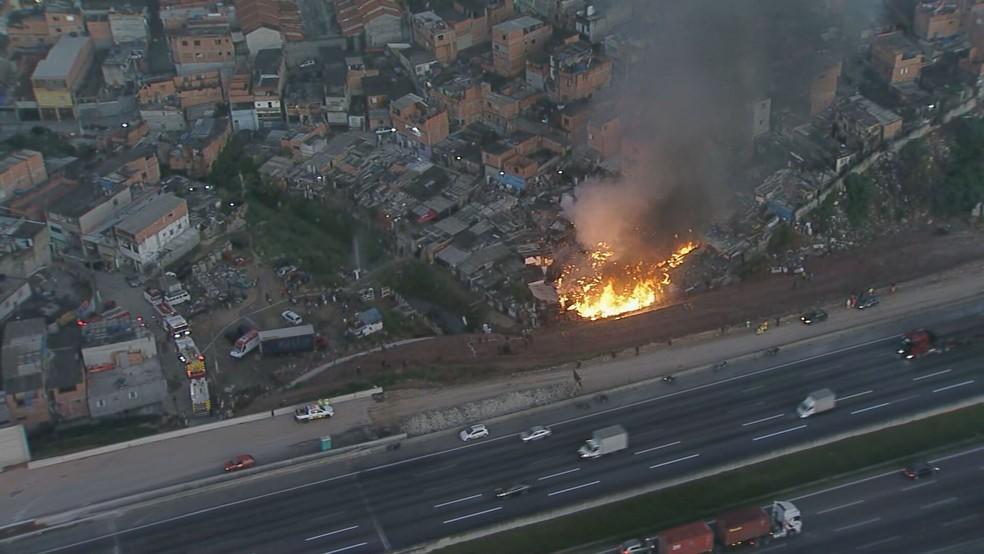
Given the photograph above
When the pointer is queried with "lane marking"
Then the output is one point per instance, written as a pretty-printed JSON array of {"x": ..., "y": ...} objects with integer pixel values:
[
  {"x": 943, "y": 502},
  {"x": 476, "y": 514},
  {"x": 835, "y": 508},
  {"x": 855, "y": 395},
  {"x": 858, "y": 524},
  {"x": 921, "y": 377},
  {"x": 750, "y": 389},
  {"x": 763, "y": 420},
  {"x": 330, "y": 533},
  {"x": 552, "y": 475},
  {"x": 690, "y": 457},
  {"x": 798, "y": 427},
  {"x": 450, "y": 502},
  {"x": 656, "y": 448},
  {"x": 948, "y": 387},
  {"x": 574, "y": 488},
  {"x": 878, "y": 543},
  {"x": 960, "y": 520},
  {"x": 875, "y": 407},
  {"x": 344, "y": 548},
  {"x": 918, "y": 486}
]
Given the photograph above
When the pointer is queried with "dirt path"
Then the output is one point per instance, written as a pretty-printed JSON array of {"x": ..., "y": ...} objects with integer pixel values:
[{"x": 457, "y": 359}]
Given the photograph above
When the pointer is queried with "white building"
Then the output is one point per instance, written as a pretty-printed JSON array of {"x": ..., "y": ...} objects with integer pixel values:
[{"x": 146, "y": 232}]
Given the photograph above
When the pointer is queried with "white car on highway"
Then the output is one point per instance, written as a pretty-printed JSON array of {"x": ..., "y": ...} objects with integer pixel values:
[
  {"x": 473, "y": 432},
  {"x": 318, "y": 410},
  {"x": 535, "y": 433}
]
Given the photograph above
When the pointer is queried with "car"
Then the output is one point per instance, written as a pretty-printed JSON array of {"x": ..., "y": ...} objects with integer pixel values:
[
  {"x": 866, "y": 301},
  {"x": 242, "y": 461},
  {"x": 473, "y": 432},
  {"x": 920, "y": 470},
  {"x": 535, "y": 433},
  {"x": 134, "y": 281},
  {"x": 635, "y": 546},
  {"x": 307, "y": 63},
  {"x": 285, "y": 271},
  {"x": 321, "y": 409},
  {"x": 813, "y": 316},
  {"x": 518, "y": 489},
  {"x": 292, "y": 317}
]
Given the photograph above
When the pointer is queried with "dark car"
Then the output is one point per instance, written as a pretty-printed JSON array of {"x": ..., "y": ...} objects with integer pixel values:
[
  {"x": 813, "y": 316},
  {"x": 920, "y": 470},
  {"x": 511, "y": 491},
  {"x": 866, "y": 301}
]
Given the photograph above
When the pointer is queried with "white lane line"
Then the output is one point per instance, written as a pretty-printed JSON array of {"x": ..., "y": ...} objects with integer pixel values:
[
  {"x": 750, "y": 389},
  {"x": 344, "y": 548},
  {"x": 656, "y": 448},
  {"x": 690, "y": 457},
  {"x": 855, "y": 395},
  {"x": 948, "y": 387},
  {"x": 763, "y": 420},
  {"x": 450, "y": 502},
  {"x": 574, "y": 488},
  {"x": 476, "y": 514},
  {"x": 842, "y": 506},
  {"x": 960, "y": 520},
  {"x": 858, "y": 524},
  {"x": 974, "y": 450},
  {"x": 918, "y": 486},
  {"x": 323, "y": 535},
  {"x": 878, "y": 543},
  {"x": 798, "y": 427},
  {"x": 869, "y": 408},
  {"x": 943, "y": 502},
  {"x": 552, "y": 475},
  {"x": 935, "y": 374}
]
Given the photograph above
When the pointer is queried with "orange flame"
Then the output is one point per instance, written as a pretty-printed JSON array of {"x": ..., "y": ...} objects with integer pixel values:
[{"x": 602, "y": 294}]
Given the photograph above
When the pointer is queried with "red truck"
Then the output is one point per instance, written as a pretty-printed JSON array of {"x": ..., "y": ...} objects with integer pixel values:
[
  {"x": 692, "y": 538},
  {"x": 921, "y": 342},
  {"x": 753, "y": 524}
]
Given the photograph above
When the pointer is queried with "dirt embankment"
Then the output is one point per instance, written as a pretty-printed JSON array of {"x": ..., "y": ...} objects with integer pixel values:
[{"x": 457, "y": 359}]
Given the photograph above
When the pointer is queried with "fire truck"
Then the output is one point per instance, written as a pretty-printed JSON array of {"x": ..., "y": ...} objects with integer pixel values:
[
  {"x": 176, "y": 326},
  {"x": 191, "y": 357},
  {"x": 201, "y": 403}
]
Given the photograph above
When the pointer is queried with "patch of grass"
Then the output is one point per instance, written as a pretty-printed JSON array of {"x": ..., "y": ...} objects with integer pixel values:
[
  {"x": 644, "y": 515},
  {"x": 75, "y": 439},
  {"x": 415, "y": 279}
]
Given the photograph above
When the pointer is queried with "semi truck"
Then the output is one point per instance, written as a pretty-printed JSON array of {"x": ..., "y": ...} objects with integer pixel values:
[
  {"x": 817, "y": 402},
  {"x": 754, "y": 524},
  {"x": 921, "y": 342},
  {"x": 605, "y": 441},
  {"x": 287, "y": 340}
]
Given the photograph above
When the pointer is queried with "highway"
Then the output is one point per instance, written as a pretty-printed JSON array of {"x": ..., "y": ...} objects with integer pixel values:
[{"x": 688, "y": 426}]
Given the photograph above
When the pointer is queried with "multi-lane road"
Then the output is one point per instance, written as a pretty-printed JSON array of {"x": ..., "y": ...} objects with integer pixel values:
[{"x": 380, "y": 507}]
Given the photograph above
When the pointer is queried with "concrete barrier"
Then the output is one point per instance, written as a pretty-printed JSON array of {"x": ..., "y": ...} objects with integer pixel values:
[
  {"x": 655, "y": 487},
  {"x": 189, "y": 431}
]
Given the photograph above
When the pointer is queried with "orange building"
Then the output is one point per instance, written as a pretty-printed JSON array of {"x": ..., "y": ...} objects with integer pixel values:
[
  {"x": 28, "y": 30},
  {"x": 895, "y": 58},
  {"x": 281, "y": 15},
  {"x": 431, "y": 32},
  {"x": 513, "y": 41},
  {"x": 417, "y": 122},
  {"x": 462, "y": 97},
  {"x": 21, "y": 170},
  {"x": 202, "y": 43},
  {"x": 936, "y": 20}
]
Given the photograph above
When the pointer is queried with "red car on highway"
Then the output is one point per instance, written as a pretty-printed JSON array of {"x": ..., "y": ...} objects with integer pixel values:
[{"x": 242, "y": 461}]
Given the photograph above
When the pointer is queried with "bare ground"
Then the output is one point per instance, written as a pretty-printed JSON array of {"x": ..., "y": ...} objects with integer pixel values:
[{"x": 462, "y": 358}]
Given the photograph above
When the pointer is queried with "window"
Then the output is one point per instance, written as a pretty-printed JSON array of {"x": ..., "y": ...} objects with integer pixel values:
[
  {"x": 132, "y": 395},
  {"x": 198, "y": 43},
  {"x": 62, "y": 390},
  {"x": 218, "y": 42},
  {"x": 184, "y": 43},
  {"x": 100, "y": 403},
  {"x": 58, "y": 30},
  {"x": 55, "y": 18}
]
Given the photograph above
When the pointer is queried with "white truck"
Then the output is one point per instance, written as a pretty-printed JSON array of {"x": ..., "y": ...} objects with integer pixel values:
[
  {"x": 605, "y": 441},
  {"x": 817, "y": 402},
  {"x": 317, "y": 410}
]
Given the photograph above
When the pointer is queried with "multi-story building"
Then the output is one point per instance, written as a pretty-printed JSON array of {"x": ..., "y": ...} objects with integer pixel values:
[
  {"x": 25, "y": 358},
  {"x": 124, "y": 65},
  {"x": 862, "y": 124},
  {"x": 431, "y": 32},
  {"x": 21, "y": 170},
  {"x": 823, "y": 86},
  {"x": 203, "y": 46},
  {"x": 28, "y": 30},
  {"x": 936, "y": 20},
  {"x": 63, "y": 19},
  {"x": 242, "y": 111},
  {"x": 197, "y": 149},
  {"x": 572, "y": 71},
  {"x": 60, "y": 74},
  {"x": 418, "y": 125},
  {"x": 123, "y": 370},
  {"x": 144, "y": 235},
  {"x": 278, "y": 15},
  {"x": 462, "y": 97},
  {"x": 513, "y": 41},
  {"x": 268, "y": 88},
  {"x": 23, "y": 249},
  {"x": 895, "y": 58},
  {"x": 370, "y": 23},
  {"x": 128, "y": 24},
  {"x": 81, "y": 212}
]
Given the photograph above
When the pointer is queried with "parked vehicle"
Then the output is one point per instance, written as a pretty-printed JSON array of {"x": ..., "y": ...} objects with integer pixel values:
[
  {"x": 242, "y": 461},
  {"x": 867, "y": 300},
  {"x": 288, "y": 339},
  {"x": 191, "y": 357},
  {"x": 292, "y": 317},
  {"x": 245, "y": 344},
  {"x": 201, "y": 402},
  {"x": 817, "y": 402},
  {"x": 176, "y": 326},
  {"x": 518, "y": 489},
  {"x": 692, "y": 538},
  {"x": 605, "y": 441},
  {"x": 753, "y": 524},
  {"x": 813, "y": 316},
  {"x": 920, "y": 470},
  {"x": 473, "y": 432},
  {"x": 535, "y": 433},
  {"x": 636, "y": 546},
  {"x": 321, "y": 409}
]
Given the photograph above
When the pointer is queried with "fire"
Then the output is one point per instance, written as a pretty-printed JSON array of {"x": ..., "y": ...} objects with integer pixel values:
[{"x": 611, "y": 288}]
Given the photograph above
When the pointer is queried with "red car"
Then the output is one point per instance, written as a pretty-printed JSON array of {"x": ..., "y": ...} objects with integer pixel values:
[{"x": 242, "y": 461}]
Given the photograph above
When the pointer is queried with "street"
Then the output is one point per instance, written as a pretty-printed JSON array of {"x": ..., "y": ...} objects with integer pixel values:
[{"x": 382, "y": 502}]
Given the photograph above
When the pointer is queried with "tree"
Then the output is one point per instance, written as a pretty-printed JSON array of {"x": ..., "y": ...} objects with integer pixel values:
[
  {"x": 782, "y": 238},
  {"x": 859, "y": 191},
  {"x": 962, "y": 187},
  {"x": 918, "y": 172}
]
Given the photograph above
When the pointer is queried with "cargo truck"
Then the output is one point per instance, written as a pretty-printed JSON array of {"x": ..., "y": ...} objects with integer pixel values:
[
  {"x": 921, "y": 342},
  {"x": 817, "y": 402},
  {"x": 605, "y": 441},
  {"x": 692, "y": 538},
  {"x": 287, "y": 339},
  {"x": 753, "y": 524}
]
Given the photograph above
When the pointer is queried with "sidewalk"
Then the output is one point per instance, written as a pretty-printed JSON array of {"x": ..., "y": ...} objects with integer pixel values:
[{"x": 69, "y": 485}]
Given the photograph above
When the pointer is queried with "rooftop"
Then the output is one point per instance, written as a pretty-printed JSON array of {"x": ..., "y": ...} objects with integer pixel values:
[
  {"x": 23, "y": 355},
  {"x": 267, "y": 61},
  {"x": 60, "y": 59},
  {"x": 160, "y": 206},
  {"x": 81, "y": 199},
  {"x": 519, "y": 24},
  {"x": 111, "y": 331},
  {"x": 16, "y": 157}
]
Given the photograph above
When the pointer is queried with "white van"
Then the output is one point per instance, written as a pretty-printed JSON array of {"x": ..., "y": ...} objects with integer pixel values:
[{"x": 177, "y": 297}]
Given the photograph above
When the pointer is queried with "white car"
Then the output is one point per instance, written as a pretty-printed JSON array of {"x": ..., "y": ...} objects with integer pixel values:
[
  {"x": 292, "y": 317},
  {"x": 535, "y": 433},
  {"x": 319, "y": 410},
  {"x": 473, "y": 432}
]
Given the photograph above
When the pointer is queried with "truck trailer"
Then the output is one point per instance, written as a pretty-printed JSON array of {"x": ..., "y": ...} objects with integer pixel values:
[
  {"x": 753, "y": 524},
  {"x": 287, "y": 340},
  {"x": 817, "y": 402},
  {"x": 605, "y": 441},
  {"x": 692, "y": 538}
]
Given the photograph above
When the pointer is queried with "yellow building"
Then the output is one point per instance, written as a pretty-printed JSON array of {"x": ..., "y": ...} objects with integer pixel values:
[{"x": 60, "y": 74}]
